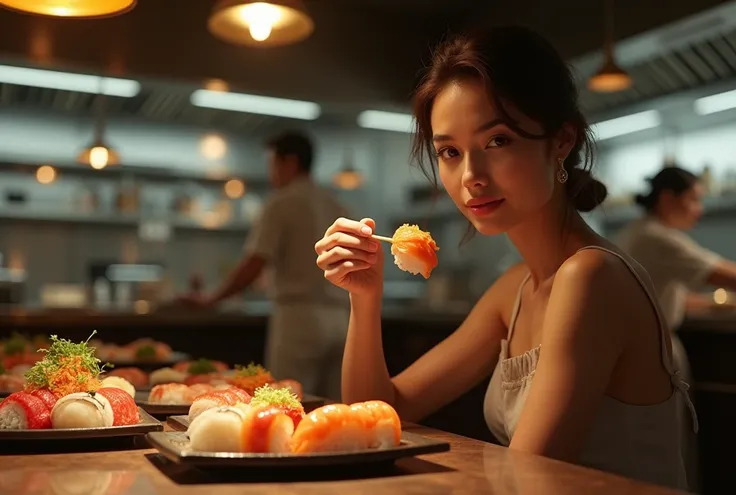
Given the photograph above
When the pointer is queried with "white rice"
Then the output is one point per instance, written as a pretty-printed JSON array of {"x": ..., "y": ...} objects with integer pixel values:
[
  {"x": 13, "y": 417},
  {"x": 409, "y": 263}
]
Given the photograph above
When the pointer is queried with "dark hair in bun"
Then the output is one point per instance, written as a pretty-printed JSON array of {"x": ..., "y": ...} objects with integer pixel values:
[
  {"x": 674, "y": 179},
  {"x": 522, "y": 69}
]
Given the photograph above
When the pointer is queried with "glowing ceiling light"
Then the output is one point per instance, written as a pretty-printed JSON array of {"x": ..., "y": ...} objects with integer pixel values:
[
  {"x": 71, "y": 8},
  {"x": 271, "y": 23}
]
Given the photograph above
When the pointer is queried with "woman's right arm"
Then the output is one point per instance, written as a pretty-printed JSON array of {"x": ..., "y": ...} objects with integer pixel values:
[{"x": 442, "y": 374}]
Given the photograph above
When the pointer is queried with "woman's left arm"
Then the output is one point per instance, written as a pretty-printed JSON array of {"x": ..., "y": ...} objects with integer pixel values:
[{"x": 583, "y": 336}]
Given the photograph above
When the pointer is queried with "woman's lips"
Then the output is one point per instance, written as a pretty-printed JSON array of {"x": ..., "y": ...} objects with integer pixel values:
[{"x": 486, "y": 208}]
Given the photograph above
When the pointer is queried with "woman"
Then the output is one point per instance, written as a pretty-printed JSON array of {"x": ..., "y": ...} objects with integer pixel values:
[
  {"x": 676, "y": 263},
  {"x": 497, "y": 118}
]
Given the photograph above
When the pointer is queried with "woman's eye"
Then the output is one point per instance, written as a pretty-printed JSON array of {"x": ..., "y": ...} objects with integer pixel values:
[
  {"x": 498, "y": 141},
  {"x": 447, "y": 153}
]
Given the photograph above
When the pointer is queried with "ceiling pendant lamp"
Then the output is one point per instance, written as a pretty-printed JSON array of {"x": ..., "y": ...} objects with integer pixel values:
[
  {"x": 610, "y": 78},
  {"x": 253, "y": 23},
  {"x": 71, "y": 8},
  {"x": 348, "y": 178},
  {"x": 98, "y": 154}
]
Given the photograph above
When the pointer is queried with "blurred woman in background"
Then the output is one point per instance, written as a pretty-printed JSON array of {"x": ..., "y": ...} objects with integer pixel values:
[{"x": 676, "y": 264}]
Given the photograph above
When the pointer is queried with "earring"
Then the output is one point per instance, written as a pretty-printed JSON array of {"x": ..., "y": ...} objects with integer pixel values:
[{"x": 561, "y": 173}]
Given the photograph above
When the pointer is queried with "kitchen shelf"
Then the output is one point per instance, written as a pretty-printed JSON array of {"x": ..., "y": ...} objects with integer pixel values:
[
  {"x": 115, "y": 220},
  {"x": 156, "y": 174}
]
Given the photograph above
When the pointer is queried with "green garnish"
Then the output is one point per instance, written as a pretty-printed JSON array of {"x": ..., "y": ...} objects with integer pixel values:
[
  {"x": 16, "y": 344},
  {"x": 269, "y": 396},
  {"x": 146, "y": 352},
  {"x": 60, "y": 350},
  {"x": 201, "y": 367},
  {"x": 250, "y": 370}
]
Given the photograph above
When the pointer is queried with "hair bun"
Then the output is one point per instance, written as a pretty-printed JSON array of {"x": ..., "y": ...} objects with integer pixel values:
[{"x": 586, "y": 192}]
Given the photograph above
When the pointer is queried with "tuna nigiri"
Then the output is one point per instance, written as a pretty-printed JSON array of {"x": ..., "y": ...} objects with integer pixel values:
[
  {"x": 125, "y": 411},
  {"x": 23, "y": 411},
  {"x": 347, "y": 428},
  {"x": 414, "y": 250}
]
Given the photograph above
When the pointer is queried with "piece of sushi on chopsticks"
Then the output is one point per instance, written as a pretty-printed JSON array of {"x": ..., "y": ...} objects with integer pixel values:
[{"x": 414, "y": 250}]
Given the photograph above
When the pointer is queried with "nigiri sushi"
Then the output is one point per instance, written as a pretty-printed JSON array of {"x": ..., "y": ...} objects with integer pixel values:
[
  {"x": 124, "y": 409},
  {"x": 217, "y": 430},
  {"x": 346, "y": 428},
  {"x": 166, "y": 375},
  {"x": 414, "y": 250},
  {"x": 217, "y": 398},
  {"x": 199, "y": 388},
  {"x": 82, "y": 410},
  {"x": 266, "y": 429},
  {"x": 23, "y": 411},
  {"x": 136, "y": 376},
  {"x": 119, "y": 382},
  {"x": 170, "y": 393}
]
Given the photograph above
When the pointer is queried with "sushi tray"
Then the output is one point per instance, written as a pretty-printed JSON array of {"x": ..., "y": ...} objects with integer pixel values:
[
  {"x": 176, "y": 447},
  {"x": 147, "y": 424}
]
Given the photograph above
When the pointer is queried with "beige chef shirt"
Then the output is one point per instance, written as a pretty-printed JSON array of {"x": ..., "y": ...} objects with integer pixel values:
[
  {"x": 293, "y": 219},
  {"x": 675, "y": 263}
]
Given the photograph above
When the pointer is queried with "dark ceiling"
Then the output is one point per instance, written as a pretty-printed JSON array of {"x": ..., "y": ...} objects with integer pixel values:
[{"x": 363, "y": 52}]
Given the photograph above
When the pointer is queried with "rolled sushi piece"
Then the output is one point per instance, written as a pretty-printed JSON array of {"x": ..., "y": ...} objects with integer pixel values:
[
  {"x": 47, "y": 397},
  {"x": 23, "y": 411},
  {"x": 217, "y": 430},
  {"x": 348, "y": 428},
  {"x": 121, "y": 383},
  {"x": 170, "y": 393},
  {"x": 82, "y": 410},
  {"x": 124, "y": 409}
]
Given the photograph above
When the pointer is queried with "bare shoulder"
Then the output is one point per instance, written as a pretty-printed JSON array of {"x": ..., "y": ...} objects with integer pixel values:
[{"x": 591, "y": 284}]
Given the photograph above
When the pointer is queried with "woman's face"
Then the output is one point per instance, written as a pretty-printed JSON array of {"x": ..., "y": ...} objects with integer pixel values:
[
  {"x": 495, "y": 177},
  {"x": 684, "y": 210}
]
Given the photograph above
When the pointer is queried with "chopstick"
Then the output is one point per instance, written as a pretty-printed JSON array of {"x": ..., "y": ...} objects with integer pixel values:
[{"x": 382, "y": 238}]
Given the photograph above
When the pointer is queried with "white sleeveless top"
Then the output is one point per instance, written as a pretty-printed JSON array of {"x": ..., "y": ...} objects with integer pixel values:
[{"x": 639, "y": 442}]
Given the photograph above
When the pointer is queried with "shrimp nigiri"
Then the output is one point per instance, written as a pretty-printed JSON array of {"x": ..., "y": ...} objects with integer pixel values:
[
  {"x": 348, "y": 428},
  {"x": 414, "y": 250},
  {"x": 217, "y": 398},
  {"x": 170, "y": 393}
]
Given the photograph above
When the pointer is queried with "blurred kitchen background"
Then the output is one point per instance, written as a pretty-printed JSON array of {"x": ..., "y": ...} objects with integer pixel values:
[{"x": 179, "y": 171}]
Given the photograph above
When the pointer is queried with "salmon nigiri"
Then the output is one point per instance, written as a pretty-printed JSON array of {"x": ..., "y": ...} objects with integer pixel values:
[
  {"x": 414, "y": 250},
  {"x": 348, "y": 428}
]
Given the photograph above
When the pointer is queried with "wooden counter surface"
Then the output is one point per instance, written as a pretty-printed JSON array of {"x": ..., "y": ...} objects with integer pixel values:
[{"x": 470, "y": 467}]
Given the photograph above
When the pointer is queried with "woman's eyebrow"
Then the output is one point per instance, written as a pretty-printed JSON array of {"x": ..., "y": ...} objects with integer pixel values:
[{"x": 485, "y": 127}]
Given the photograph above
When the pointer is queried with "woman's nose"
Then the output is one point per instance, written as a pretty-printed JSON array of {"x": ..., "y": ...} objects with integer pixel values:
[{"x": 475, "y": 171}]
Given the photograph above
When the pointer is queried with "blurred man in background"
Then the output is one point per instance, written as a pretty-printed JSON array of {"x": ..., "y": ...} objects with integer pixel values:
[{"x": 309, "y": 321}]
